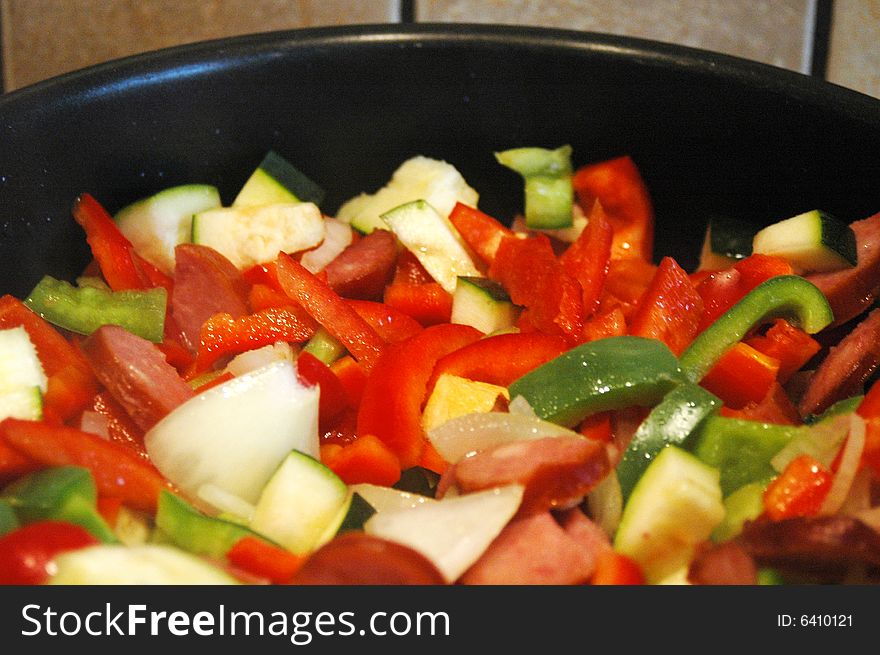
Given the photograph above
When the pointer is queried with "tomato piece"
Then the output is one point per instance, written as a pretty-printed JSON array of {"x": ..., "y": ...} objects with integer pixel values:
[
  {"x": 799, "y": 490},
  {"x": 500, "y": 359},
  {"x": 589, "y": 257},
  {"x": 330, "y": 310},
  {"x": 533, "y": 277},
  {"x": 395, "y": 391},
  {"x": 117, "y": 469},
  {"x": 264, "y": 560},
  {"x": 670, "y": 309},
  {"x": 27, "y": 552},
  {"x": 742, "y": 375},
  {"x": 618, "y": 185}
]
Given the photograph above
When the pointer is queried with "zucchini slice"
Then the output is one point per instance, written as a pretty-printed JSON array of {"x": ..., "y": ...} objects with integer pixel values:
[{"x": 812, "y": 242}]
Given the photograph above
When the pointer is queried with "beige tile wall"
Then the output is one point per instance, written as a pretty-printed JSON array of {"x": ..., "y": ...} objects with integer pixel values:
[{"x": 42, "y": 38}]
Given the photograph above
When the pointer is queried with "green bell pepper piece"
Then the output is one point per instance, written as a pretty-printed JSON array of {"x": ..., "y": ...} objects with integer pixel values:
[
  {"x": 549, "y": 195},
  {"x": 185, "y": 526},
  {"x": 84, "y": 309},
  {"x": 741, "y": 449},
  {"x": 62, "y": 493},
  {"x": 672, "y": 421},
  {"x": 8, "y": 520},
  {"x": 744, "y": 504},
  {"x": 324, "y": 346},
  {"x": 786, "y": 296},
  {"x": 597, "y": 376}
]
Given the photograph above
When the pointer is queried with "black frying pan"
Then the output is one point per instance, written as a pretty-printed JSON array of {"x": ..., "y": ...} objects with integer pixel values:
[{"x": 713, "y": 135}]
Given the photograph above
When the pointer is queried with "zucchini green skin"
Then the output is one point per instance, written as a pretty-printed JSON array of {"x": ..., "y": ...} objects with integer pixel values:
[
  {"x": 597, "y": 376},
  {"x": 84, "y": 309},
  {"x": 276, "y": 170},
  {"x": 785, "y": 296},
  {"x": 671, "y": 422}
]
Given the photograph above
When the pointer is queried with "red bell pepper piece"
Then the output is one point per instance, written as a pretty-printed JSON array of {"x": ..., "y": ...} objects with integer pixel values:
[
  {"x": 71, "y": 383},
  {"x": 366, "y": 459},
  {"x": 432, "y": 460},
  {"x": 223, "y": 335},
  {"x": 799, "y": 490},
  {"x": 500, "y": 359},
  {"x": 533, "y": 277},
  {"x": 391, "y": 405},
  {"x": 333, "y": 398},
  {"x": 610, "y": 323},
  {"x": 121, "y": 428},
  {"x": 670, "y": 309},
  {"x": 627, "y": 281},
  {"x": 589, "y": 257},
  {"x": 720, "y": 290},
  {"x": 479, "y": 230},
  {"x": 613, "y": 568},
  {"x": 259, "y": 558},
  {"x": 409, "y": 270},
  {"x": 330, "y": 310},
  {"x": 27, "y": 552},
  {"x": 264, "y": 296},
  {"x": 597, "y": 427},
  {"x": 118, "y": 471},
  {"x": 121, "y": 266},
  {"x": 109, "y": 507},
  {"x": 743, "y": 375},
  {"x": 427, "y": 303},
  {"x": 776, "y": 407},
  {"x": 790, "y": 345},
  {"x": 352, "y": 376},
  {"x": 389, "y": 322},
  {"x": 13, "y": 464},
  {"x": 618, "y": 185}
]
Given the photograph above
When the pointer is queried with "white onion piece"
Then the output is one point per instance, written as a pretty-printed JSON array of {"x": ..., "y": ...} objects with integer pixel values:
[
  {"x": 251, "y": 360},
  {"x": 470, "y": 433},
  {"x": 383, "y": 499},
  {"x": 606, "y": 504},
  {"x": 859, "y": 496},
  {"x": 337, "y": 237},
  {"x": 519, "y": 405},
  {"x": 221, "y": 500},
  {"x": 821, "y": 441},
  {"x": 849, "y": 465}
]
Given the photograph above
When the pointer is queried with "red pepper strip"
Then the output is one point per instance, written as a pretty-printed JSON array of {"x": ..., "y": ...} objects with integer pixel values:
[
  {"x": 121, "y": 428},
  {"x": 613, "y": 568},
  {"x": 799, "y": 490},
  {"x": 341, "y": 432},
  {"x": 118, "y": 471},
  {"x": 223, "y": 335},
  {"x": 366, "y": 459},
  {"x": 428, "y": 303},
  {"x": 670, "y": 309},
  {"x": 121, "y": 266},
  {"x": 480, "y": 231},
  {"x": 330, "y": 310},
  {"x": 776, "y": 407},
  {"x": 743, "y": 375},
  {"x": 264, "y": 296},
  {"x": 720, "y": 290},
  {"x": 71, "y": 383},
  {"x": 618, "y": 185},
  {"x": 333, "y": 397},
  {"x": 264, "y": 560},
  {"x": 869, "y": 409},
  {"x": 13, "y": 464},
  {"x": 432, "y": 460},
  {"x": 391, "y": 405},
  {"x": 352, "y": 376},
  {"x": 610, "y": 323},
  {"x": 790, "y": 345},
  {"x": 627, "y": 281},
  {"x": 588, "y": 258},
  {"x": 533, "y": 277},
  {"x": 265, "y": 274},
  {"x": 597, "y": 427},
  {"x": 109, "y": 507},
  {"x": 389, "y": 322},
  {"x": 500, "y": 359},
  {"x": 27, "y": 552}
]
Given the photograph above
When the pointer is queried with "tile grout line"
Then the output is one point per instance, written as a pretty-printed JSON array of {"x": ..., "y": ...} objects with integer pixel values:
[
  {"x": 407, "y": 11},
  {"x": 821, "y": 38}
]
